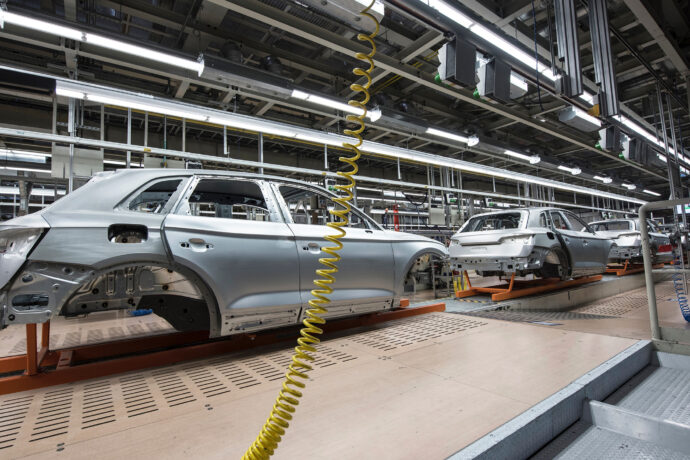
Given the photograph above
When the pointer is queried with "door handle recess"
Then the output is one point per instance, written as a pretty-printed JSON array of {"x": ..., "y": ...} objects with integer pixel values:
[
  {"x": 312, "y": 247},
  {"x": 196, "y": 244}
]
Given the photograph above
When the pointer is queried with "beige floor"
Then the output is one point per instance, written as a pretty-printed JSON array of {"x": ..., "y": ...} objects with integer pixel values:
[{"x": 417, "y": 388}]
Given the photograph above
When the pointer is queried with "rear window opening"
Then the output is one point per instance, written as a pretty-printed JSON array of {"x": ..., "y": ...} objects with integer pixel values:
[{"x": 500, "y": 221}]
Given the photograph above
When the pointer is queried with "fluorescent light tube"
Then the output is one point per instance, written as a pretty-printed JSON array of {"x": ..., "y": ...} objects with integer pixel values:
[
  {"x": 649, "y": 192},
  {"x": 519, "y": 82},
  {"x": 99, "y": 40},
  {"x": 326, "y": 102},
  {"x": 69, "y": 93},
  {"x": 447, "y": 135},
  {"x": 606, "y": 180},
  {"x": 629, "y": 186},
  {"x": 122, "y": 163},
  {"x": 23, "y": 155},
  {"x": 18, "y": 168},
  {"x": 534, "y": 159},
  {"x": 574, "y": 171}
]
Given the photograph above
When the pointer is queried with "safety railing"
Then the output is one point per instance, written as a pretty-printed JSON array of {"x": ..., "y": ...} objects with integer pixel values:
[{"x": 668, "y": 339}]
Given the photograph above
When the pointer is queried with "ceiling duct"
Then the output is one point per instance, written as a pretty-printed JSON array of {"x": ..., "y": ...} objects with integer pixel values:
[
  {"x": 494, "y": 80},
  {"x": 234, "y": 74},
  {"x": 457, "y": 63},
  {"x": 578, "y": 119}
]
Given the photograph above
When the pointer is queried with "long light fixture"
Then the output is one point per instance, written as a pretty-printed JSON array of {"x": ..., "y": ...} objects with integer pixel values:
[
  {"x": 19, "y": 168},
  {"x": 447, "y": 135},
  {"x": 23, "y": 155},
  {"x": 606, "y": 180},
  {"x": 629, "y": 186},
  {"x": 495, "y": 39},
  {"x": 99, "y": 40},
  {"x": 534, "y": 159},
  {"x": 184, "y": 110},
  {"x": 326, "y": 102},
  {"x": 650, "y": 192},
  {"x": 574, "y": 171}
]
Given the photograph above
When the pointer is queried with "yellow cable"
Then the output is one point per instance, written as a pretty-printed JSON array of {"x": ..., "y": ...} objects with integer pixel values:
[{"x": 278, "y": 421}]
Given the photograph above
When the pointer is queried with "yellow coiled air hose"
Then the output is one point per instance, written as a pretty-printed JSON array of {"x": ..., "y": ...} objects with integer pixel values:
[{"x": 278, "y": 421}]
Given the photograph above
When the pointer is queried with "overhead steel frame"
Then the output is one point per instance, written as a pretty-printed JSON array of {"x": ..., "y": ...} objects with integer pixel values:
[
  {"x": 392, "y": 65},
  {"x": 568, "y": 47},
  {"x": 47, "y": 137},
  {"x": 603, "y": 59},
  {"x": 296, "y": 26}
]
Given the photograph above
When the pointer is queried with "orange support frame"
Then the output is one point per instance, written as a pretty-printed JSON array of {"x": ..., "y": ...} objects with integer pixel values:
[
  {"x": 628, "y": 269},
  {"x": 46, "y": 367},
  {"x": 521, "y": 288}
]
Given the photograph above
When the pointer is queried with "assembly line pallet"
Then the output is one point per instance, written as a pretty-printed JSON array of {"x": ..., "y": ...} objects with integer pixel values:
[
  {"x": 628, "y": 268},
  {"x": 42, "y": 367},
  {"x": 521, "y": 288}
]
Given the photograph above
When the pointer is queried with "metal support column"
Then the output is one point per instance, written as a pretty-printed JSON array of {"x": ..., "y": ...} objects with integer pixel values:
[
  {"x": 70, "y": 130},
  {"x": 102, "y": 133},
  {"x": 568, "y": 48},
  {"x": 325, "y": 157},
  {"x": 604, "y": 72},
  {"x": 146, "y": 129},
  {"x": 184, "y": 134},
  {"x": 128, "y": 161},
  {"x": 225, "y": 140},
  {"x": 261, "y": 151}
]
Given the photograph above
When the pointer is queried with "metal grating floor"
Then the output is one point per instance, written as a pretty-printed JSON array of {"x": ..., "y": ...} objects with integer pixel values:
[
  {"x": 583, "y": 441},
  {"x": 661, "y": 392},
  {"x": 34, "y": 421},
  {"x": 67, "y": 333}
]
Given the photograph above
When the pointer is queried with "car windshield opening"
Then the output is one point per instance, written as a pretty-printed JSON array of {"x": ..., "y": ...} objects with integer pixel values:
[{"x": 502, "y": 221}]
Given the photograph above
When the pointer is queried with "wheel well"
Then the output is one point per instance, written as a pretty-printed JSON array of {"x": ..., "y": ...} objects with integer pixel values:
[{"x": 174, "y": 292}]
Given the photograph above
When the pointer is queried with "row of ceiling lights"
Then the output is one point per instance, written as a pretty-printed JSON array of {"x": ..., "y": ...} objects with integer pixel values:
[{"x": 198, "y": 65}]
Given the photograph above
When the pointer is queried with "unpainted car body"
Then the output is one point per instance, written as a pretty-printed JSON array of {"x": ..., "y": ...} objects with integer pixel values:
[
  {"x": 626, "y": 234},
  {"x": 223, "y": 251},
  {"x": 546, "y": 242}
]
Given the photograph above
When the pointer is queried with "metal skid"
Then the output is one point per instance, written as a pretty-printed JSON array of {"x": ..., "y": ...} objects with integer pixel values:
[{"x": 521, "y": 288}]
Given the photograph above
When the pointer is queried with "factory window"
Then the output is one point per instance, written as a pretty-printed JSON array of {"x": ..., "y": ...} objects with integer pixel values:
[
  {"x": 154, "y": 198},
  {"x": 228, "y": 199},
  {"x": 309, "y": 207}
]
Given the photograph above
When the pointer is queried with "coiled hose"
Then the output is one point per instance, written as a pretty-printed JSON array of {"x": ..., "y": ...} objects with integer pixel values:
[
  {"x": 278, "y": 421},
  {"x": 679, "y": 287}
]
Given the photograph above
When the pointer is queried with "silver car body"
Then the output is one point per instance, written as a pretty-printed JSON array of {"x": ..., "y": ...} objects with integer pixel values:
[
  {"x": 96, "y": 249},
  {"x": 529, "y": 241},
  {"x": 626, "y": 234}
]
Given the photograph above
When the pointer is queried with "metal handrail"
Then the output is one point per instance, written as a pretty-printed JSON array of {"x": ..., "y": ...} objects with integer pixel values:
[{"x": 647, "y": 259}]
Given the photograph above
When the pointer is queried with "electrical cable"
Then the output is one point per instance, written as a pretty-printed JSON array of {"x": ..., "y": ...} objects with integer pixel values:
[{"x": 285, "y": 406}]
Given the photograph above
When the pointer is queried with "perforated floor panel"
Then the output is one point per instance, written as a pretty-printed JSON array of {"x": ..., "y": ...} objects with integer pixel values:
[{"x": 33, "y": 421}]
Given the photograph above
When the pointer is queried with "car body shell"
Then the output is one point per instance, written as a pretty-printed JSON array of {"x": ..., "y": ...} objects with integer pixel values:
[
  {"x": 528, "y": 247},
  {"x": 628, "y": 241},
  {"x": 248, "y": 275}
]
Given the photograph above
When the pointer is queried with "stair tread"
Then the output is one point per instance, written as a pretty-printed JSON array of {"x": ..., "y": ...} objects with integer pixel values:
[
  {"x": 582, "y": 440},
  {"x": 661, "y": 392}
]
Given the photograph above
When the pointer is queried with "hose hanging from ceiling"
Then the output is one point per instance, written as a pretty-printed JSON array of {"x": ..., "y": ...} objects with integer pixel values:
[{"x": 278, "y": 421}]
